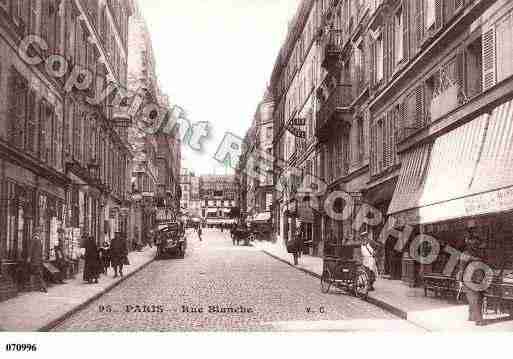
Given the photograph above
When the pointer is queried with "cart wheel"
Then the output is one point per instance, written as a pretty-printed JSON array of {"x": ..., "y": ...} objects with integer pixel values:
[
  {"x": 326, "y": 281},
  {"x": 361, "y": 285}
]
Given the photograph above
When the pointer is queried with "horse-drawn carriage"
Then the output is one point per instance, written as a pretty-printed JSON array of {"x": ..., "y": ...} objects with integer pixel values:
[{"x": 241, "y": 233}]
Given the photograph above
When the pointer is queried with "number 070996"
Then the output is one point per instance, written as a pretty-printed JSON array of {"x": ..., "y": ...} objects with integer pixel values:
[{"x": 20, "y": 347}]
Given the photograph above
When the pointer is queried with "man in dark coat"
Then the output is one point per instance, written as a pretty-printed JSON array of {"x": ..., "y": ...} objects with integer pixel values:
[
  {"x": 92, "y": 266},
  {"x": 118, "y": 254},
  {"x": 36, "y": 259}
]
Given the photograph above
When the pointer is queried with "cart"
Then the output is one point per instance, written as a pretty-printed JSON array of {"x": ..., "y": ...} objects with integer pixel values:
[
  {"x": 342, "y": 270},
  {"x": 346, "y": 274}
]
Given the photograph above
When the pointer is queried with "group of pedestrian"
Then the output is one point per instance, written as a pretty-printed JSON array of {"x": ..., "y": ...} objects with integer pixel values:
[{"x": 99, "y": 260}]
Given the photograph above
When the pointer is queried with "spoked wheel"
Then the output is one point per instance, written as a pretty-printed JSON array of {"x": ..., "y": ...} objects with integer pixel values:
[
  {"x": 361, "y": 285},
  {"x": 326, "y": 281}
]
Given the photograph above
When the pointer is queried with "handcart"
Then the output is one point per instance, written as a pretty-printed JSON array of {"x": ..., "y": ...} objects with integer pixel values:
[{"x": 345, "y": 272}]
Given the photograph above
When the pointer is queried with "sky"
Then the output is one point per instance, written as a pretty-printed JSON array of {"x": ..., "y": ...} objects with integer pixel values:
[{"x": 215, "y": 58}]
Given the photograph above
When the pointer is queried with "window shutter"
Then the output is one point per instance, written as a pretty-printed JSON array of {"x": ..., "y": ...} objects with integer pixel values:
[
  {"x": 419, "y": 106},
  {"x": 372, "y": 62},
  {"x": 34, "y": 12},
  {"x": 384, "y": 140},
  {"x": 58, "y": 141},
  {"x": 489, "y": 61},
  {"x": 419, "y": 22},
  {"x": 50, "y": 118},
  {"x": 58, "y": 27},
  {"x": 439, "y": 14},
  {"x": 385, "y": 50},
  {"x": 42, "y": 131},
  {"x": 391, "y": 46},
  {"x": 13, "y": 123},
  {"x": 372, "y": 149},
  {"x": 458, "y": 4},
  {"x": 406, "y": 29},
  {"x": 394, "y": 115},
  {"x": 31, "y": 135}
]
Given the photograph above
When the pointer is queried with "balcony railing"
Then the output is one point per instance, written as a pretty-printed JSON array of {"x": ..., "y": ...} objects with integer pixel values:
[
  {"x": 332, "y": 47},
  {"x": 339, "y": 100}
]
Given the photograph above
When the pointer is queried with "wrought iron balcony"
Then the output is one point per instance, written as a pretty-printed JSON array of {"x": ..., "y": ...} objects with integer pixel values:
[
  {"x": 331, "y": 47},
  {"x": 337, "y": 107}
]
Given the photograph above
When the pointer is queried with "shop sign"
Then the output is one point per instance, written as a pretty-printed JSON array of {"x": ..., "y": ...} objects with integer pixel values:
[
  {"x": 298, "y": 121},
  {"x": 296, "y": 132},
  {"x": 495, "y": 201}
]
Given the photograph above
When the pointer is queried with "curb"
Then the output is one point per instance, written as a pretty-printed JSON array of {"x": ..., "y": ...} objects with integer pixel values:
[
  {"x": 54, "y": 323},
  {"x": 377, "y": 302}
]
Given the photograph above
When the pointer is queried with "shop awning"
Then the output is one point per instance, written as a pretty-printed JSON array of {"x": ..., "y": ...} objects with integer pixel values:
[
  {"x": 408, "y": 188},
  {"x": 468, "y": 171}
]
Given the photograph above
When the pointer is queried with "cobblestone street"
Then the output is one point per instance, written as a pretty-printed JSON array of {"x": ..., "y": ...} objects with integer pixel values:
[{"x": 269, "y": 295}]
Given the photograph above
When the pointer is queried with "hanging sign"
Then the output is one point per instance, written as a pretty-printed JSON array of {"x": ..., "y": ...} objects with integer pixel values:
[
  {"x": 298, "y": 122},
  {"x": 296, "y": 132}
]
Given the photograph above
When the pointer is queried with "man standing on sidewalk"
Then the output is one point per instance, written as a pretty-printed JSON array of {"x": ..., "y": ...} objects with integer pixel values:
[{"x": 36, "y": 259}]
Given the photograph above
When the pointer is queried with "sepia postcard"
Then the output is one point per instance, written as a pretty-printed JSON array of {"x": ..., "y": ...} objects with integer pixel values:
[{"x": 255, "y": 166}]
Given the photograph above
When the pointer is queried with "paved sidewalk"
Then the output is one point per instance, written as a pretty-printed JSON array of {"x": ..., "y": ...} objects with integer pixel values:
[
  {"x": 35, "y": 311},
  {"x": 433, "y": 314}
]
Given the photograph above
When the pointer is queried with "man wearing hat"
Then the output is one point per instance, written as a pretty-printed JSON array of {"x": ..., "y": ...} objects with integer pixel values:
[{"x": 36, "y": 258}]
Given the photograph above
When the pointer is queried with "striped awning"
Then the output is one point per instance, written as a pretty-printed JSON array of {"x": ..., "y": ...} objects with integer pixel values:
[
  {"x": 408, "y": 189},
  {"x": 467, "y": 172}
]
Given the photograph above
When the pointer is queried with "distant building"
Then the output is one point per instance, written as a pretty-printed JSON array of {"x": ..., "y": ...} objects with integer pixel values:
[
  {"x": 255, "y": 185},
  {"x": 217, "y": 194}
]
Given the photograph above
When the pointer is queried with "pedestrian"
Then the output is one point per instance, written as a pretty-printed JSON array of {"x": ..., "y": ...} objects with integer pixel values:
[
  {"x": 36, "y": 259},
  {"x": 199, "y": 232},
  {"x": 118, "y": 254},
  {"x": 92, "y": 267},
  {"x": 369, "y": 261},
  {"x": 105, "y": 256},
  {"x": 472, "y": 253},
  {"x": 295, "y": 246},
  {"x": 61, "y": 262}
]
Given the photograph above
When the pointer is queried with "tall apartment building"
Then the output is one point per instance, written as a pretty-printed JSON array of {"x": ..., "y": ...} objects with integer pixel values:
[
  {"x": 217, "y": 194},
  {"x": 295, "y": 78},
  {"x": 258, "y": 185},
  {"x": 63, "y": 160},
  {"x": 412, "y": 117},
  {"x": 190, "y": 203}
]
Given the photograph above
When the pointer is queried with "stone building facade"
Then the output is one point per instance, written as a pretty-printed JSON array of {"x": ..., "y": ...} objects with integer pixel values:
[
  {"x": 63, "y": 160},
  {"x": 410, "y": 106}
]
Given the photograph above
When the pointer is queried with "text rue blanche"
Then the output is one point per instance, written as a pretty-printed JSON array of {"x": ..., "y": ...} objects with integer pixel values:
[{"x": 217, "y": 309}]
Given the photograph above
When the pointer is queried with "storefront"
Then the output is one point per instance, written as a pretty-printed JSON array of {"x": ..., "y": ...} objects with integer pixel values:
[
  {"x": 461, "y": 180},
  {"x": 26, "y": 201}
]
